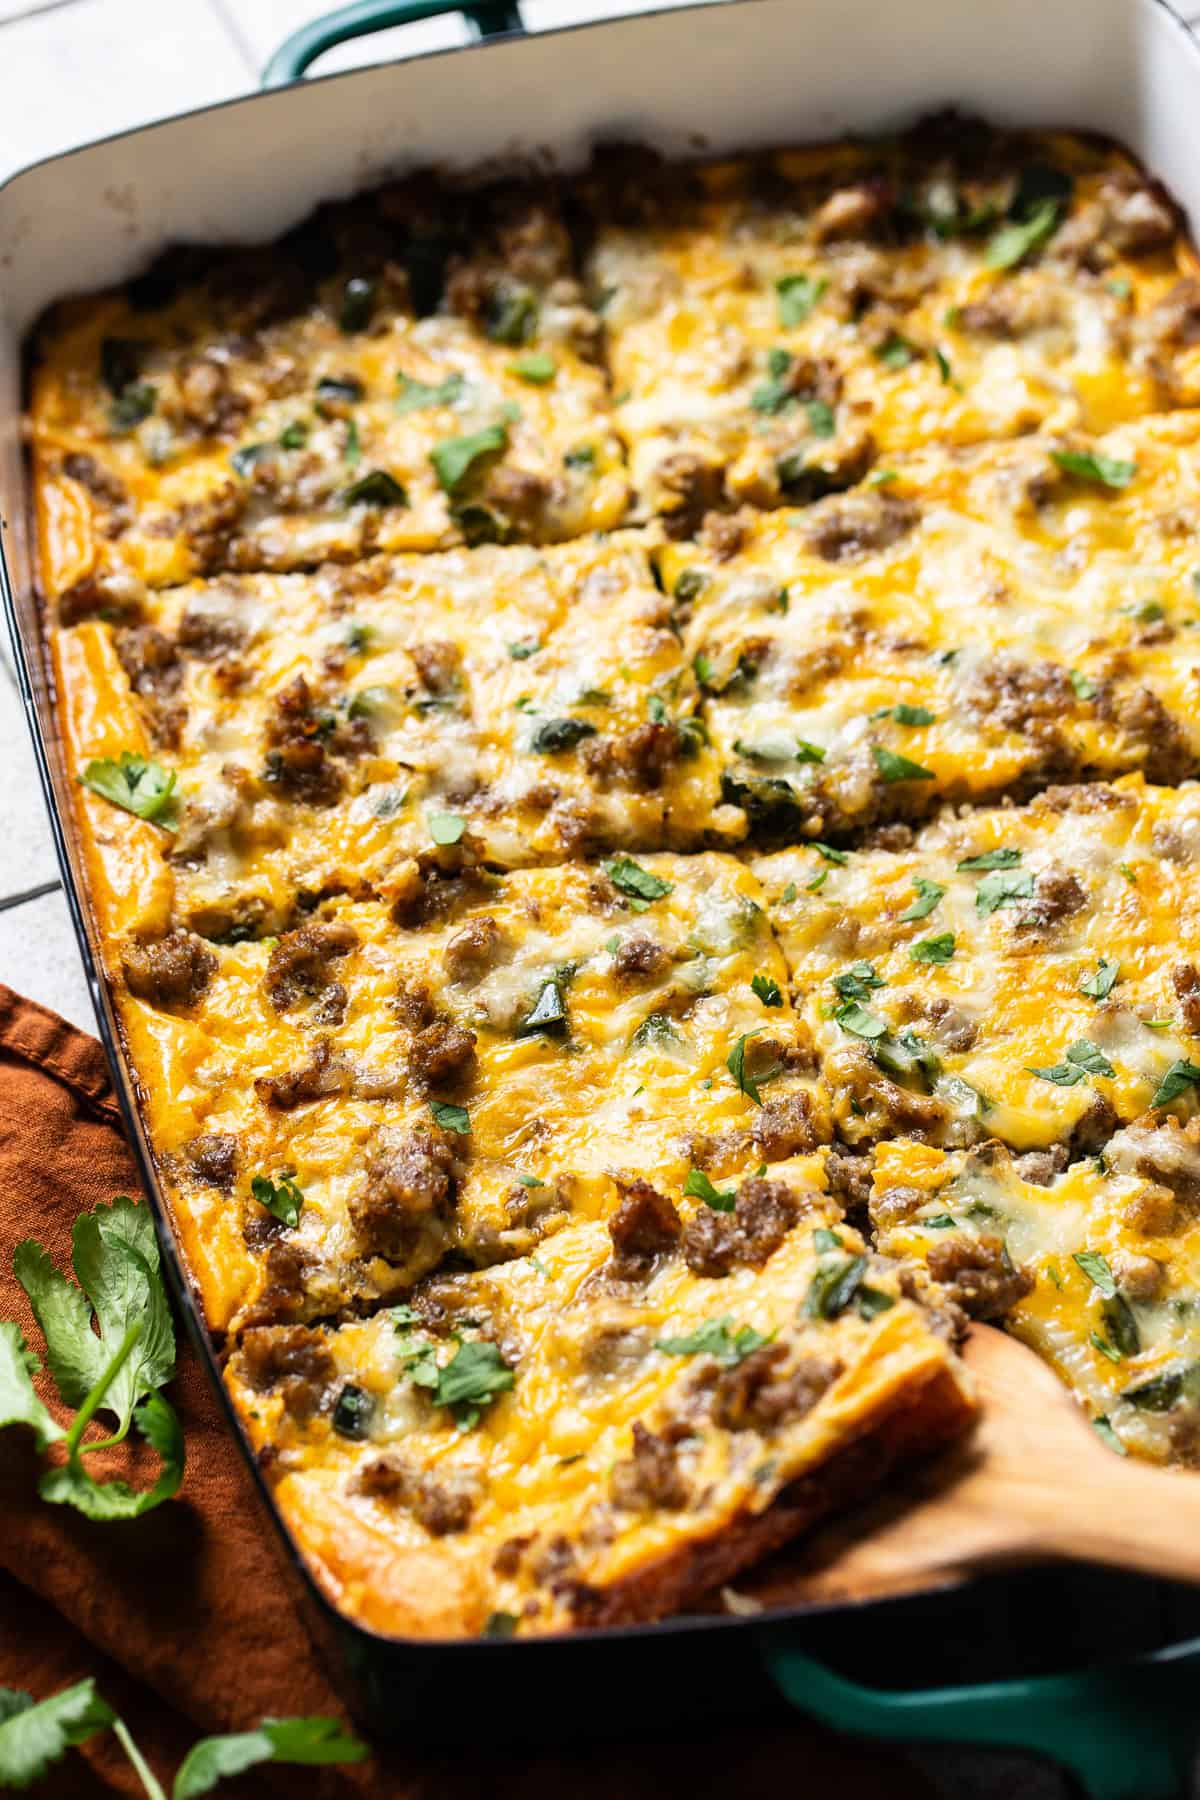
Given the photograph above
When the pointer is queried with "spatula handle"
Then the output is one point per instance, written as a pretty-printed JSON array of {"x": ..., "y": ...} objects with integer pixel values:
[
  {"x": 1125, "y": 1732},
  {"x": 1122, "y": 1513}
]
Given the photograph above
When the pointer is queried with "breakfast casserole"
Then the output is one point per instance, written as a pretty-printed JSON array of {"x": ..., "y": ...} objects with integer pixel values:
[{"x": 636, "y": 742}]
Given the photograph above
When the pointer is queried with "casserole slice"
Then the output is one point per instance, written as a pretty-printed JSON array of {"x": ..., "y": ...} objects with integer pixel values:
[
  {"x": 406, "y": 371},
  {"x": 981, "y": 624},
  {"x": 778, "y": 326},
  {"x": 1030, "y": 974},
  {"x": 1095, "y": 1266},
  {"x": 463, "y": 1073},
  {"x": 562, "y": 1442},
  {"x": 504, "y": 705}
]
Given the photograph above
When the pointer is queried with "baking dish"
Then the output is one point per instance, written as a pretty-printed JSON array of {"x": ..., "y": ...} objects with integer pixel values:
[{"x": 249, "y": 169}]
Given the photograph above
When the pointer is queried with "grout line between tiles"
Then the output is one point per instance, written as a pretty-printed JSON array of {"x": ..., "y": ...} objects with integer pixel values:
[
  {"x": 227, "y": 16},
  {"x": 33, "y": 893},
  {"x": 33, "y": 9}
]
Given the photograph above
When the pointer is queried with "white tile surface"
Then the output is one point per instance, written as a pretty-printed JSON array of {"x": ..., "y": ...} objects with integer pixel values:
[
  {"x": 98, "y": 66},
  {"x": 264, "y": 24},
  {"x": 27, "y": 857},
  {"x": 39, "y": 957}
]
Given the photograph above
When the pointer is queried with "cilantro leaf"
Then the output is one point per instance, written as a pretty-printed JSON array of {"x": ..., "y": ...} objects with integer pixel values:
[
  {"x": 449, "y": 1117},
  {"x": 1109, "y": 471},
  {"x": 860, "y": 1021},
  {"x": 375, "y": 488},
  {"x": 115, "y": 1259},
  {"x": 1083, "y": 1058},
  {"x": 796, "y": 296},
  {"x": 19, "y": 1402},
  {"x": 1097, "y": 1270},
  {"x": 896, "y": 352},
  {"x": 1021, "y": 237},
  {"x": 1085, "y": 689},
  {"x": 829, "y": 853},
  {"x": 928, "y": 894},
  {"x": 556, "y": 735},
  {"x": 282, "y": 1199},
  {"x": 1101, "y": 983},
  {"x": 904, "y": 714},
  {"x": 767, "y": 990},
  {"x": 857, "y": 982},
  {"x": 1090, "y": 1057},
  {"x": 32, "y": 1736},
  {"x": 135, "y": 783},
  {"x": 894, "y": 767},
  {"x": 990, "y": 859},
  {"x": 1107, "y": 1435},
  {"x": 1003, "y": 887},
  {"x": 1178, "y": 1078},
  {"x": 472, "y": 1378},
  {"x": 71, "y": 1485},
  {"x": 638, "y": 883},
  {"x": 538, "y": 367},
  {"x": 454, "y": 459},
  {"x": 415, "y": 396},
  {"x": 937, "y": 949},
  {"x": 735, "y": 1062},
  {"x": 698, "y": 1183},
  {"x": 308, "y": 1741},
  {"x": 716, "y": 1337},
  {"x": 834, "y": 1286}
]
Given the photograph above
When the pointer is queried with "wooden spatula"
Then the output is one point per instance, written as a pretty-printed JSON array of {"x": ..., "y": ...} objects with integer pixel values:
[{"x": 1033, "y": 1481}]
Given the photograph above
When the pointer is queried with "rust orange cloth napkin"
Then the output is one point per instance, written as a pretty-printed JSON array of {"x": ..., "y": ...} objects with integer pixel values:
[{"x": 187, "y": 1616}]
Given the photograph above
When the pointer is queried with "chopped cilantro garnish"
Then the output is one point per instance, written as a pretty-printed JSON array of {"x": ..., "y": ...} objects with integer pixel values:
[
  {"x": 1099, "y": 985},
  {"x": 638, "y": 883},
  {"x": 282, "y": 1198},
  {"x": 928, "y": 894},
  {"x": 991, "y": 859},
  {"x": 1083, "y": 1058},
  {"x": 699, "y": 1185},
  {"x": 454, "y": 459},
  {"x": 1178, "y": 1078},
  {"x": 1003, "y": 887},
  {"x": 449, "y": 1117},
  {"x": 937, "y": 949},
  {"x": 894, "y": 767},
  {"x": 1086, "y": 465},
  {"x": 716, "y": 1337},
  {"x": 415, "y": 396},
  {"x": 135, "y": 783},
  {"x": 796, "y": 296}
]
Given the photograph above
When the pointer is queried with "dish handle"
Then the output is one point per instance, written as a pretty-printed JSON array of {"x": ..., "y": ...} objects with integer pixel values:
[
  {"x": 485, "y": 18},
  {"x": 1124, "y": 1731}
]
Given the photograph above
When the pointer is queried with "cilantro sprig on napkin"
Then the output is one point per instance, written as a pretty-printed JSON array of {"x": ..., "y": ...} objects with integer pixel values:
[
  {"x": 35, "y": 1734},
  {"x": 110, "y": 1348}
]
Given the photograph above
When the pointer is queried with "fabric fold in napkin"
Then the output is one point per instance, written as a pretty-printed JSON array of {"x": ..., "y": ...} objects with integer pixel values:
[{"x": 186, "y": 1617}]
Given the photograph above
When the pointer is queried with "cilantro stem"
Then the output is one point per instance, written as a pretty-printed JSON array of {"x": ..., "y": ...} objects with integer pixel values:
[
  {"x": 141, "y": 1769},
  {"x": 83, "y": 1417}
]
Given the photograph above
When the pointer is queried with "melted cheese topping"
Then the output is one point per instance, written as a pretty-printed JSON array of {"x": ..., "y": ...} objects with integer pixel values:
[
  {"x": 1013, "y": 915},
  {"x": 540, "y": 698},
  {"x": 552, "y": 1523},
  {"x": 992, "y": 642},
  {"x": 1111, "y": 1251},
  {"x": 515, "y": 920},
  {"x": 627, "y": 1078},
  {"x": 227, "y": 425},
  {"x": 778, "y": 322}
]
